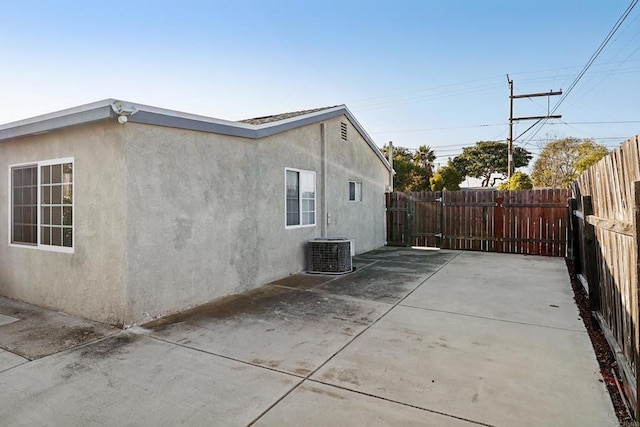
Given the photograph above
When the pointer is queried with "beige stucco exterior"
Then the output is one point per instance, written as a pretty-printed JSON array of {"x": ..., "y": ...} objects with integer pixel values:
[{"x": 169, "y": 218}]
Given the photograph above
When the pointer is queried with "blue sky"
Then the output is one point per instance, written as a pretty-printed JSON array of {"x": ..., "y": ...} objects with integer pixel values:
[{"x": 414, "y": 72}]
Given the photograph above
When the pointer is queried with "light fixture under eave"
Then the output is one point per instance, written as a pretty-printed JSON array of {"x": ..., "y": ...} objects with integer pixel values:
[{"x": 123, "y": 108}]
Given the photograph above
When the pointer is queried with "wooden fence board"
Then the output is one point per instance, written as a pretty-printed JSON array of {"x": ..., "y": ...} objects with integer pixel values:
[
  {"x": 529, "y": 222},
  {"x": 613, "y": 187}
]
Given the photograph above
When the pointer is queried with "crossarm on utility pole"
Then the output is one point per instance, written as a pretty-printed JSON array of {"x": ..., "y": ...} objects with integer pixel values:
[
  {"x": 557, "y": 116},
  {"x": 510, "y": 141},
  {"x": 533, "y": 95}
]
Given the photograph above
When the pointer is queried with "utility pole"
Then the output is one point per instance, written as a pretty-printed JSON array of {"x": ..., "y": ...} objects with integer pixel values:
[
  {"x": 510, "y": 141},
  {"x": 391, "y": 173},
  {"x": 510, "y": 162}
]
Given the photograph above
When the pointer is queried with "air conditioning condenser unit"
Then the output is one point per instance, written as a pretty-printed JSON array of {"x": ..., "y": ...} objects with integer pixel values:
[{"x": 330, "y": 256}]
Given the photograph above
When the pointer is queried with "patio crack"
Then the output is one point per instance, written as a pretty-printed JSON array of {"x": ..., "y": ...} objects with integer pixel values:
[
  {"x": 433, "y": 411},
  {"x": 475, "y": 316}
]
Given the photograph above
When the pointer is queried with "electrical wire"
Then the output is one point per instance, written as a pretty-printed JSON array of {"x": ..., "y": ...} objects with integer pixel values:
[
  {"x": 590, "y": 62},
  {"x": 610, "y": 122},
  {"x": 595, "y": 54},
  {"x": 476, "y": 88}
]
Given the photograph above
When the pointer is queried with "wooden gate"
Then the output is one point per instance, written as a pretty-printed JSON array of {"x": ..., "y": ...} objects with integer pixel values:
[
  {"x": 530, "y": 222},
  {"x": 414, "y": 219}
]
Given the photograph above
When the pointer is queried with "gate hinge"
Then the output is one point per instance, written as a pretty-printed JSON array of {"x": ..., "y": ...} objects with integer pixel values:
[
  {"x": 439, "y": 235},
  {"x": 438, "y": 199}
]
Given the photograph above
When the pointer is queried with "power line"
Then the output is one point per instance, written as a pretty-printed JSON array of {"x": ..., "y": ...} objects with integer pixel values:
[
  {"x": 596, "y": 54},
  {"x": 420, "y": 98},
  {"x": 411, "y": 92},
  {"x": 599, "y": 123},
  {"x": 458, "y": 147},
  {"x": 590, "y": 62},
  {"x": 440, "y": 128},
  {"x": 524, "y": 80},
  {"x": 612, "y": 71},
  {"x": 616, "y": 122}
]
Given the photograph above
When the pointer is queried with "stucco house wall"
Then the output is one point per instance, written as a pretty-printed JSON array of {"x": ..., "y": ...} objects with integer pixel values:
[
  {"x": 353, "y": 160},
  {"x": 206, "y": 212},
  {"x": 170, "y": 214},
  {"x": 90, "y": 281}
]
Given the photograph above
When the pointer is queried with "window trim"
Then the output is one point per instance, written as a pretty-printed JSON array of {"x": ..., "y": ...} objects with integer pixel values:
[
  {"x": 357, "y": 184},
  {"x": 39, "y": 245},
  {"x": 315, "y": 198}
]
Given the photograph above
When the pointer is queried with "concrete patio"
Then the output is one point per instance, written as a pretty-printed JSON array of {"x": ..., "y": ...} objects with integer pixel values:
[{"x": 412, "y": 337}]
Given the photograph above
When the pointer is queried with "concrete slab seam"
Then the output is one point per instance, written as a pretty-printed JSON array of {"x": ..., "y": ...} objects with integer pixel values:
[
  {"x": 84, "y": 344},
  {"x": 380, "y": 317},
  {"x": 280, "y": 399},
  {"x": 16, "y": 354},
  {"x": 433, "y": 411},
  {"x": 332, "y": 295},
  {"x": 233, "y": 359},
  {"x": 394, "y": 261},
  {"x": 364, "y": 330},
  {"x": 333, "y": 279},
  {"x": 495, "y": 319},
  {"x": 295, "y": 386},
  {"x": 271, "y": 406},
  {"x": 20, "y": 364},
  {"x": 349, "y": 297}
]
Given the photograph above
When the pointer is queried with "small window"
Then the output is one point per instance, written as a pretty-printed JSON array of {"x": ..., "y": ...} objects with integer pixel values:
[
  {"x": 355, "y": 191},
  {"x": 41, "y": 209},
  {"x": 300, "y": 195}
]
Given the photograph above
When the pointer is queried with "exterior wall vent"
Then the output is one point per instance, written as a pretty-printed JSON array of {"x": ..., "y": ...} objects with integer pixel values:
[
  {"x": 343, "y": 131},
  {"x": 330, "y": 256}
]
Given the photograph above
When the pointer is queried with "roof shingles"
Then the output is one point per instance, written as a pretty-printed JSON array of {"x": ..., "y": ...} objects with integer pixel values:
[{"x": 282, "y": 116}]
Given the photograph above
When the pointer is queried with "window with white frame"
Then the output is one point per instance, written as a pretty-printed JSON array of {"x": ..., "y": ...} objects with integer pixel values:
[
  {"x": 41, "y": 210},
  {"x": 355, "y": 191},
  {"x": 300, "y": 195}
]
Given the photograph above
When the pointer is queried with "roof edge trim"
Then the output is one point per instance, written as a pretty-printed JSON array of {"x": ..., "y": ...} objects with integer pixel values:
[{"x": 145, "y": 114}]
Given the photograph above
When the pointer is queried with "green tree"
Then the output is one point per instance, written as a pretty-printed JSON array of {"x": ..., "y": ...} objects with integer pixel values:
[
  {"x": 562, "y": 161},
  {"x": 424, "y": 158},
  {"x": 446, "y": 178},
  {"x": 518, "y": 181},
  {"x": 487, "y": 158},
  {"x": 412, "y": 170}
]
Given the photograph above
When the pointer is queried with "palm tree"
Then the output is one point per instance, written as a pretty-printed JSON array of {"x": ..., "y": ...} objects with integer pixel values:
[{"x": 424, "y": 158}]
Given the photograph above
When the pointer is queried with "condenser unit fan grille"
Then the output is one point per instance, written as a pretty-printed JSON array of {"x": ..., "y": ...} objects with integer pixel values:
[{"x": 330, "y": 256}]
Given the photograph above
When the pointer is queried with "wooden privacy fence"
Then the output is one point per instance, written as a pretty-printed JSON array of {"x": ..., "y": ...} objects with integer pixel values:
[
  {"x": 605, "y": 230},
  {"x": 530, "y": 222}
]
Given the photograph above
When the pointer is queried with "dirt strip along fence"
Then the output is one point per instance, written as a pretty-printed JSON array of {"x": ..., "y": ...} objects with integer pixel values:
[
  {"x": 532, "y": 222},
  {"x": 604, "y": 247}
]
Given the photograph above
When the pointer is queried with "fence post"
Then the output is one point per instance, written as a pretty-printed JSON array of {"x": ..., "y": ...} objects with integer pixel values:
[
  {"x": 498, "y": 223},
  {"x": 570, "y": 230},
  {"x": 388, "y": 217},
  {"x": 636, "y": 282},
  {"x": 410, "y": 221},
  {"x": 573, "y": 239},
  {"x": 441, "y": 231},
  {"x": 589, "y": 245}
]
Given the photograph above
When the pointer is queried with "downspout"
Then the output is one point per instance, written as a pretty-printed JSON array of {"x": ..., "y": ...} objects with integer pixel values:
[{"x": 323, "y": 192}]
